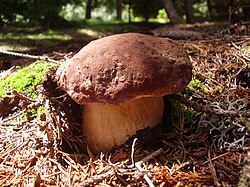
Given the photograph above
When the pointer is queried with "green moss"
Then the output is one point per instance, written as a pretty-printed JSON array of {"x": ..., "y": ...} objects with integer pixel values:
[
  {"x": 32, "y": 113},
  {"x": 25, "y": 79},
  {"x": 196, "y": 84},
  {"x": 189, "y": 117},
  {"x": 245, "y": 46}
]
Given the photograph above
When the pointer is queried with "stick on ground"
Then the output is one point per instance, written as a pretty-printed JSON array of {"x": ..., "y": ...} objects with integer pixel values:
[
  {"x": 208, "y": 109},
  {"x": 29, "y": 56}
]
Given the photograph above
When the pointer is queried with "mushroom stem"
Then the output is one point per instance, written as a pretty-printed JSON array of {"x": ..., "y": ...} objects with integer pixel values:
[{"x": 106, "y": 126}]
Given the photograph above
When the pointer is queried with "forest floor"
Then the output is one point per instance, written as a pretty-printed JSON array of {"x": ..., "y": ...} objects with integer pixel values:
[{"x": 201, "y": 149}]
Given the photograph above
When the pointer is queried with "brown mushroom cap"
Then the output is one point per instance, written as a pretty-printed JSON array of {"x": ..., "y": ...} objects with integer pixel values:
[{"x": 122, "y": 67}]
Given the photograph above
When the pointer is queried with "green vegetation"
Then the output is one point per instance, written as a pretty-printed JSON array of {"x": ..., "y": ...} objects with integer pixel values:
[
  {"x": 52, "y": 13},
  {"x": 195, "y": 83},
  {"x": 49, "y": 34},
  {"x": 26, "y": 79},
  {"x": 27, "y": 39},
  {"x": 31, "y": 113},
  {"x": 190, "y": 115},
  {"x": 245, "y": 47},
  {"x": 30, "y": 39}
]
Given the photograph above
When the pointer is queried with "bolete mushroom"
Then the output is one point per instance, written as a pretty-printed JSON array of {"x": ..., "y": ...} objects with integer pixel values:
[{"x": 120, "y": 80}]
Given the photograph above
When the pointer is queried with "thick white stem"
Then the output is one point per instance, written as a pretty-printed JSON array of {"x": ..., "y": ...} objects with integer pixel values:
[{"x": 106, "y": 126}]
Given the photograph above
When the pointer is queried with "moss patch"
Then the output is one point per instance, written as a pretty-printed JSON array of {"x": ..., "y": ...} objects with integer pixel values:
[{"x": 25, "y": 79}]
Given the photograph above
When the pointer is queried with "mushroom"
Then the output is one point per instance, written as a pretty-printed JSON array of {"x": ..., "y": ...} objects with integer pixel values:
[{"x": 121, "y": 80}]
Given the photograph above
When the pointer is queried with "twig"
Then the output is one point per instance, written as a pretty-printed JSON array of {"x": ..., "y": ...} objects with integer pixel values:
[
  {"x": 217, "y": 157},
  {"x": 95, "y": 179},
  {"x": 151, "y": 156},
  {"x": 212, "y": 169},
  {"x": 30, "y": 106},
  {"x": 29, "y": 56},
  {"x": 34, "y": 104},
  {"x": 202, "y": 95},
  {"x": 22, "y": 96},
  {"x": 122, "y": 180},
  {"x": 207, "y": 109},
  {"x": 188, "y": 163},
  {"x": 14, "y": 149},
  {"x": 145, "y": 176},
  {"x": 132, "y": 152},
  {"x": 146, "y": 159},
  {"x": 235, "y": 46}
]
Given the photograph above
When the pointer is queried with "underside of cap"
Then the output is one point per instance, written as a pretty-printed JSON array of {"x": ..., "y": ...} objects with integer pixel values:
[{"x": 122, "y": 67}]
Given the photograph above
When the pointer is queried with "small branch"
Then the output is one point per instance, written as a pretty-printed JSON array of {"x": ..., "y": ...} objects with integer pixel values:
[
  {"x": 145, "y": 176},
  {"x": 133, "y": 152},
  {"x": 98, "y": 178},
  {"x": 208, "y": 109},
  {"x": 32, "y": 105},
  {"x": 217, "y": 157},
  {"x": 146, "y": 159},
  {"x": 151, "y": 156},
  {"x": 29, "y": 56},
  {"x": 212, "y": 169},
  {"x": 185, "y": 164},
  {"x": 95, "y": 179},
  {"x": 22, "y": 96},
  {"x": 28, "y": 107}
]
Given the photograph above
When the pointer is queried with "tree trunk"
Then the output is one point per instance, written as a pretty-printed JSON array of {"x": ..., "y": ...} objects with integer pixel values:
[
  {"x": 233, "y": 4},
  {"x": 246, "y": 14},
  {"x": 209, "y": 8},
  {"x": 1, "y": 20},
  {"x": 171, "y": 11},
  {"x": 119, "y": 9},
  {"x": 88, "y": 9},
  {"x": 189, "y": 11},
  {"x": 36, "y": 9},
  {"x": 129, "y": 11}
]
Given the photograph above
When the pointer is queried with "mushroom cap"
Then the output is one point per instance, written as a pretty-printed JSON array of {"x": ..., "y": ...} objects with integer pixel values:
[{"x": 123, "y": 67}]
